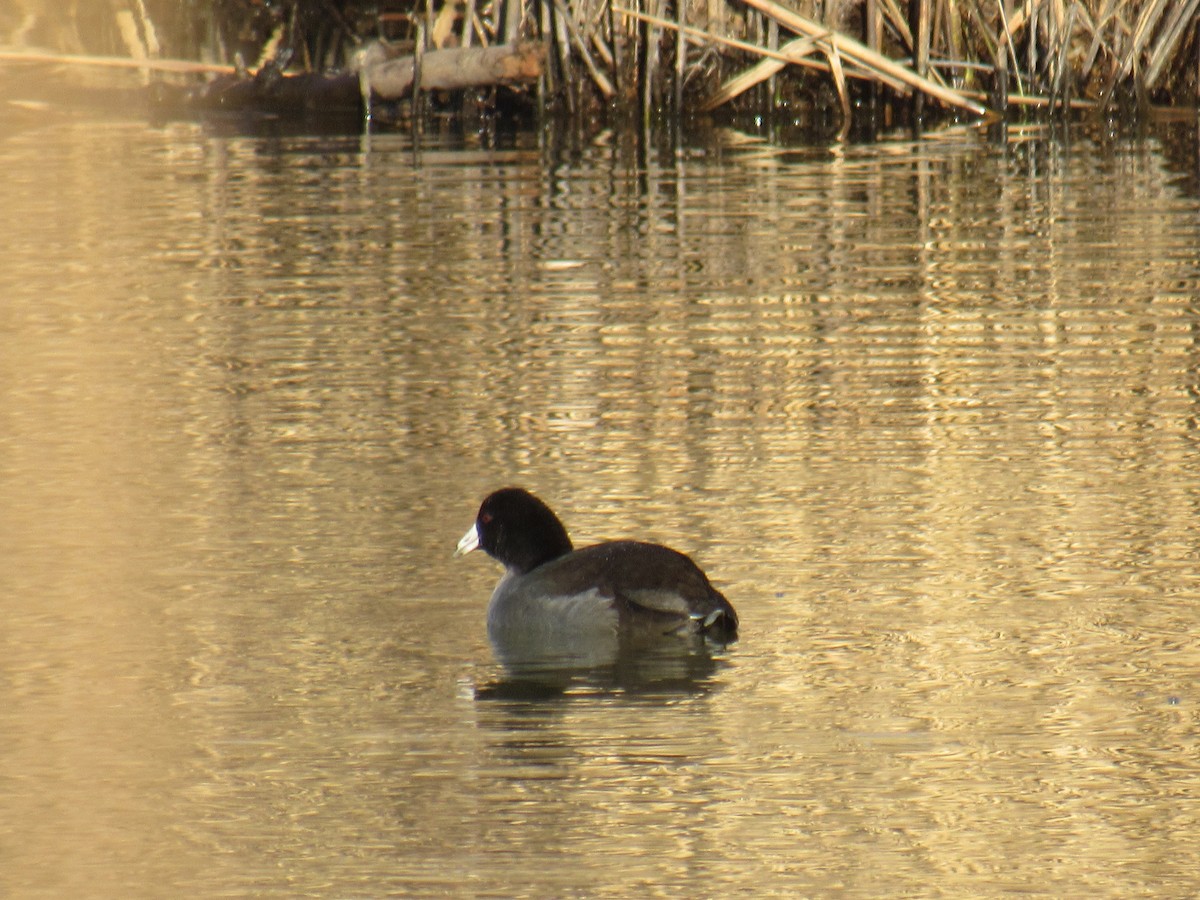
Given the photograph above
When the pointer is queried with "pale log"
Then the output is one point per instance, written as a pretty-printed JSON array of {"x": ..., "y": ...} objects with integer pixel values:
[{"x": 457, "y": 68}]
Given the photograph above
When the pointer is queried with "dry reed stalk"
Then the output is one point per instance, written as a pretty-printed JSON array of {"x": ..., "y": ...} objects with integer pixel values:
[
  {"x": 601, "y": 80},
  {"x": 1010, "y": 47},
  {"x": 180, "y": 66},
  {"x": 1059, "y": 75},
  {"x": 924, "y": 29},
  {"x": 714, "y": 14},
  {"x": 1039, "y": 102},
  {"x": 614, "y": 49},
  {"x": 867, "y": 58},
  {"x": 781, "y": 56},
  {"x": 772, "y": 83},
  {"x": 1031, "y": 44},
  {"x": 898, "y": 22},
  {"x": 1146, "y": 25},
  {"x": 650, "y": 66},
  {"x": 443, "y": 26},
  {"x": 603, "y": 50},
  {"x": 468, "y": 17},
  {"x": 680, "y": 56},
  {"x": 593, "y": 27},
  {"x": 953, "y": 25},
  {"x": 418, "y": 65},
  {"x": 793, "y": 51},
  {"x": 873, "y": 33},
  {"x": 938, "y": 23},
  {"x": 514, "y": 12},
  {"x": 562, "y": 43},
  {"x": 873, "y": 25},
  {"x": 990, "y": 40},
  {"x": 481, "y": 31},
  {"x": 839, "y": 79},
  {"x": 1017, "y": 17},
  {"x": 1184, "y": 15},
  {"x": 944, "y": 15},
  {"x": 1096, "y": 28},
  {"x": 595, "y": 19},
  {"x": 1138, "y": 36}
]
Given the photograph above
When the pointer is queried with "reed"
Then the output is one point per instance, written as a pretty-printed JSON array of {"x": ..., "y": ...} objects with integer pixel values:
[
  {"x": 973, "y": 57},
  {"x": 684, "y": 57},
  {"x": 1053, "y": 56}
]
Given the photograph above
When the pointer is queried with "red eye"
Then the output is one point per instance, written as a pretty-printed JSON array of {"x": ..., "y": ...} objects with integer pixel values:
[{"x": 485, "y": 517}]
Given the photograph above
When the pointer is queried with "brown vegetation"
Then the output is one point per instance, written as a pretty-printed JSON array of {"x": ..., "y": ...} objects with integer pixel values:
[{"x": 703, "y": 56}]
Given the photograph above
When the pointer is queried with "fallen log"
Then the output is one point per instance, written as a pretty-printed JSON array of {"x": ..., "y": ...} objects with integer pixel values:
[
  {"x": 453, "y": 69},
  {"x": 271, "y": 92}
]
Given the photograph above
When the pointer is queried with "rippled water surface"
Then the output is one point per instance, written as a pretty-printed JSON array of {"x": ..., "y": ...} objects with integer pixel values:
[{"x": 925, "y": 410}]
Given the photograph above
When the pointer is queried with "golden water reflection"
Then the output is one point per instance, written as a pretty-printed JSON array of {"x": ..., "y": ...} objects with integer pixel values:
[{"x": 926, "y": 411}]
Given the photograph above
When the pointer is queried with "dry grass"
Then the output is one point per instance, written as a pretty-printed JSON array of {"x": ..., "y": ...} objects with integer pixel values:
[
  {"x": 1056, "y": 55},
  {"x": 978, "y": 57}
]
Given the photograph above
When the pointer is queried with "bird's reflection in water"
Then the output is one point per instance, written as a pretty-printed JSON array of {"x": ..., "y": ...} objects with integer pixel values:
[{"x": 535, "y": 667}]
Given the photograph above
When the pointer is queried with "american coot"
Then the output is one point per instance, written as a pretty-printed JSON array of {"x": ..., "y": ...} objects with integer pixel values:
[{"x": 625, "y": 587}]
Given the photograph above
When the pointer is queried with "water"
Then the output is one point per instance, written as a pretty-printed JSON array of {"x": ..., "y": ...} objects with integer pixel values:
[{"x": 926, "y": 411}]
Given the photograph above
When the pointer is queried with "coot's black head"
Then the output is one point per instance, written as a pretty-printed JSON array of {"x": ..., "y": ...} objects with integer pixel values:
[{"x": 518, "y": 529}]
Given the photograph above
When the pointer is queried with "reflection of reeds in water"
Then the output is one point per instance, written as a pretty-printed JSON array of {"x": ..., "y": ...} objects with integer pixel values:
[{"x": 688, "y": 56}]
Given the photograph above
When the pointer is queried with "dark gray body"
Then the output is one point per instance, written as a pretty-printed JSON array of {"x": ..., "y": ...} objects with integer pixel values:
[{"x": 619, "y": 587}]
